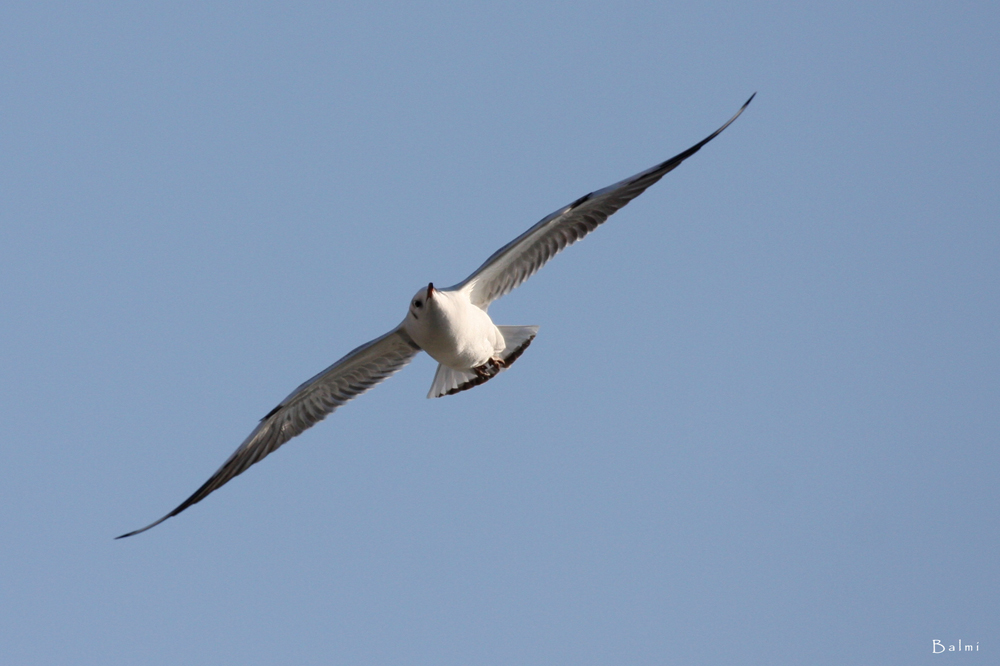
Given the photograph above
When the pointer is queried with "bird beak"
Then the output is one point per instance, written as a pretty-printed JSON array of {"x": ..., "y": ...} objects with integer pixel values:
[{"x": 430, "y": 290}]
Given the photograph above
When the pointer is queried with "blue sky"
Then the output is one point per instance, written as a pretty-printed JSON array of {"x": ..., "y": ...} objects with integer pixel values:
[{"x": 759, "y": 423}]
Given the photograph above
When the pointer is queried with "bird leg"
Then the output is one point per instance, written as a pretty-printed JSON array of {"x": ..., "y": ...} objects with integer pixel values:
[{"x": 490, "y": 368}]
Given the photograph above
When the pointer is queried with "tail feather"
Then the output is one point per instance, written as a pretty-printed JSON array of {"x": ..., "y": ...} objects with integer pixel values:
[{"x": 448, "y": 381}]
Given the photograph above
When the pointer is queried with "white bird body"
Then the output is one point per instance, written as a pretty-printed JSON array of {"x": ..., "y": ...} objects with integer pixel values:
[
  {"x": 452, "y": 325},
  {"x": 461, "y": 337},
  {"x": 455, "y": 333}
]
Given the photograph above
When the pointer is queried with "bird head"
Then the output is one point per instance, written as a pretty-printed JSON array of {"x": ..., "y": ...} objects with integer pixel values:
[{"x": 420, "y": 304}]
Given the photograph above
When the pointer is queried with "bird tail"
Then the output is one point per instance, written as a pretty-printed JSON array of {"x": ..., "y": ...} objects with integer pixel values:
[{"x": 448, "y": 381}]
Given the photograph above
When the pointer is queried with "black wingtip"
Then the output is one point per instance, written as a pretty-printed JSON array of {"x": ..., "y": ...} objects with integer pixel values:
[
  {"x": 133, "y": 533},
  {"x": 747, "y": 103},
  {"x": 150, "y": 526}
]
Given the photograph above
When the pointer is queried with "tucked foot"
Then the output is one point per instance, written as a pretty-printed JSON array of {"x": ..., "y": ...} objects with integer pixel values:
[{"x": 489, "y": 369}]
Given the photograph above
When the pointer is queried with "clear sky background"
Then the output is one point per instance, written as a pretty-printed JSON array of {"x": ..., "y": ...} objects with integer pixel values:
[{"x": 759, "y": 424}]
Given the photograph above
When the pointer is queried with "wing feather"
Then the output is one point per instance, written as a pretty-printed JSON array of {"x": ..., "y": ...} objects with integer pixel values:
[
  {"x": 309, "y": 404},
  {"x": 515, "y": 262}
]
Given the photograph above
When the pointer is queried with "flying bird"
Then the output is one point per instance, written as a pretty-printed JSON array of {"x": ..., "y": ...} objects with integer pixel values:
[{"x": 452, "y": 325}]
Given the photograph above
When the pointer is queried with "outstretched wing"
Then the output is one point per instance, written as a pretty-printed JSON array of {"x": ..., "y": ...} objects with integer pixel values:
[
  {"x": 518, "y": 260},
  {"x": 309, "y": 404}
]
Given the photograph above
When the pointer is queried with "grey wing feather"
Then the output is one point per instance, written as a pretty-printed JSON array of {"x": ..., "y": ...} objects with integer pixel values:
[
  {"x": 309, "y": 404},
  {"x": 515, "y": 262}
]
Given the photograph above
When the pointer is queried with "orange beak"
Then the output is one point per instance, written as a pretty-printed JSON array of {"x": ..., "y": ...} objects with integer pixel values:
[{"x": 430, "y": 290}]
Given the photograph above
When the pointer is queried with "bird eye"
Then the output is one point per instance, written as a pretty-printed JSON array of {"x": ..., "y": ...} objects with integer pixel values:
[{"x": 418, "y": 303}]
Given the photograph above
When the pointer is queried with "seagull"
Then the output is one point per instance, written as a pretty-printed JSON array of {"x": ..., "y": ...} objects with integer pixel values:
[{"x": 452, "y": 325}]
